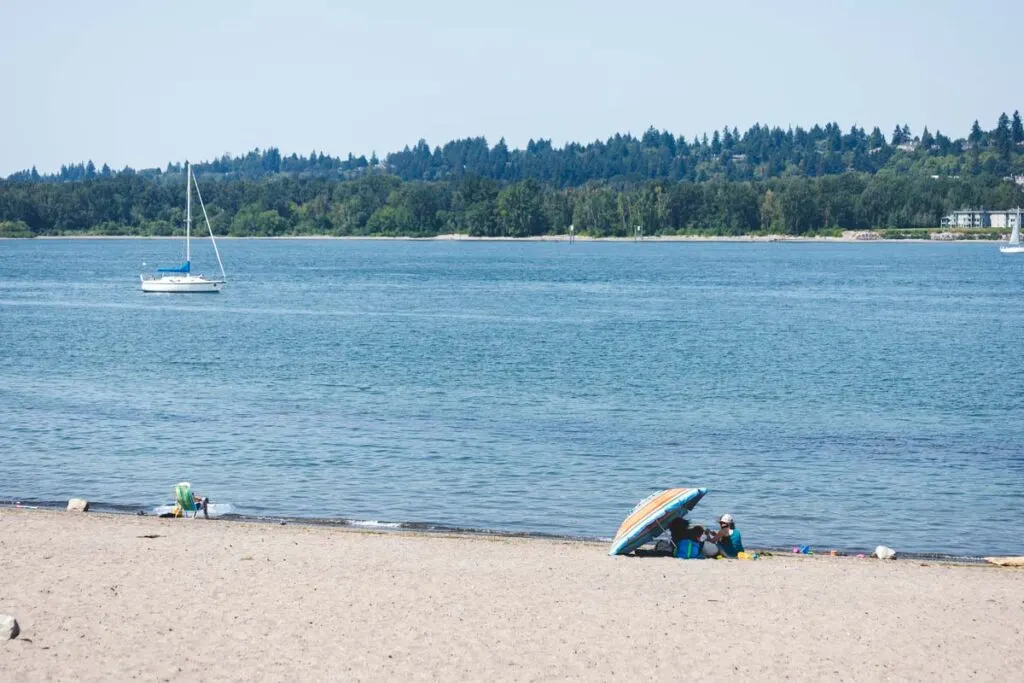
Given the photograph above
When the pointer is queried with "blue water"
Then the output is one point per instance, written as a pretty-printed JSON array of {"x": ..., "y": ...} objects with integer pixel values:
[{"x": 842, "y": 395}]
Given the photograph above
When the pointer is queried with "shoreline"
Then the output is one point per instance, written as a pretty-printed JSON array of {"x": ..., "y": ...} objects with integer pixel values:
[
  {"x": 111, "y": 597},
  {"x": 437, "y": 528},
  {"x": 538, "y": 238}
]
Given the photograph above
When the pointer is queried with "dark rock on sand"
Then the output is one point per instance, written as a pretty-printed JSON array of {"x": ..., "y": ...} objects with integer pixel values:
[{"x": 8, "y": 627}]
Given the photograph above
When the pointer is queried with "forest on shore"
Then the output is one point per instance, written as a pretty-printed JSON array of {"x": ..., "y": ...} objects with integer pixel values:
[{"x": 764, "y": 181}]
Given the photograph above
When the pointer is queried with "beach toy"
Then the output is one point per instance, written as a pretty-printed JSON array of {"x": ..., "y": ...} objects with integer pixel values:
[
  {"x": 804, "y": 550},
  {"x": 796, "y": 550},
  {"x": 860, "y": 555},
  {"x": 652, "y": 516}
]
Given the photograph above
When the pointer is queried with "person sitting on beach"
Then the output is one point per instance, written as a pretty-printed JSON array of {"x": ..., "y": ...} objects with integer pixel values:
[
  {"x": 681, "y": 534},
  {"x": 685, "y": 539},
  {"x": 188, "y": 501},
  {"x": 727, "y": 540},
  {"x": 198, "y": 505}
]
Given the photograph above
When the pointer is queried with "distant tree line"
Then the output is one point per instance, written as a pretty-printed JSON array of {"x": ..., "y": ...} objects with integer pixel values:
[{"x": 767, "y": 180}]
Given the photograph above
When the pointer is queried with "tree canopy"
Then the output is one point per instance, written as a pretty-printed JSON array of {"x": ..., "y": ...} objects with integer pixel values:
[{"x": 796, "y": 181}]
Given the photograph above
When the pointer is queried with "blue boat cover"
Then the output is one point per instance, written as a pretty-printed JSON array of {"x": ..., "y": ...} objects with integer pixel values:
[{"x": 183, "y": 268}]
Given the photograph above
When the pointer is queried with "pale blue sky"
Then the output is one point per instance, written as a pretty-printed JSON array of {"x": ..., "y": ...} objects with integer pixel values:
[{"x": 141, "y": 82}]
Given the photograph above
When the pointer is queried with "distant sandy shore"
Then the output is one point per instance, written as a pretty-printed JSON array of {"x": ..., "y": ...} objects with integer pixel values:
[
  {"x": 104, "y": 597},
  {"x": 540, "y": 238}
]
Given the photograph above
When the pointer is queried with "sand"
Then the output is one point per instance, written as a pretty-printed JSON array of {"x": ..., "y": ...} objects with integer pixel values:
[{"x": 105, "y": 597}]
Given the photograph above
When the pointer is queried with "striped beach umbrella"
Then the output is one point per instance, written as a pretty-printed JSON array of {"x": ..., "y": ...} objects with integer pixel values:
[{"x": 652, "y": 516}]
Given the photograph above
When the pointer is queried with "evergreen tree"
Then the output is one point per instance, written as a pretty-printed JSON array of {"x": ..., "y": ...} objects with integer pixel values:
[
  {"x": 727, "y": 139},
  {"x": 926, "y": 139},
  {"x": 976, "y": 135},
  {"x": 876, "y": 140},
  {"x": 898, "y": 136},
  {"x": 1003, "y": 137},
  {"x": 1016, "y": 129}
]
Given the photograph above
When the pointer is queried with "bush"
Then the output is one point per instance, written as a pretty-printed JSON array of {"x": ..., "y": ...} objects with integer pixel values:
[{"x": 15, "y": 229}]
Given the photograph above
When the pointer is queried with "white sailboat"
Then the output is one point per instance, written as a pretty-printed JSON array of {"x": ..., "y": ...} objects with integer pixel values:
[
  {"x": 1014, "y": 246},
  {"x": 180, "y": 280}
]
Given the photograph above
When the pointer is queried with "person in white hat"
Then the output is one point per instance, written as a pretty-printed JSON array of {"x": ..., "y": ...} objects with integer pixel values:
[{"x": 727, "y": 539}]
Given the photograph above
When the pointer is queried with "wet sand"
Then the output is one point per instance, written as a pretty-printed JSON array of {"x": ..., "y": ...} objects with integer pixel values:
[{"x": 107, "y": 597}]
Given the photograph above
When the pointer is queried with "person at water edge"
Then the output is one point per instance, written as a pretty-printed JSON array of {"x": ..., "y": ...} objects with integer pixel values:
[{"x": 726, "y": 541}]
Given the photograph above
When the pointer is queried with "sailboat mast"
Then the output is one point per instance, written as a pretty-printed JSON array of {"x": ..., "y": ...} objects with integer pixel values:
[{"x": 188, "y": 211}]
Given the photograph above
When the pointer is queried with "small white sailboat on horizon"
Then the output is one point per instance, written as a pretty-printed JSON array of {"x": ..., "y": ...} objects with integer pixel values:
[
  {"x": 180, "y": 280},
  {"x": 1014, "y": 246}
]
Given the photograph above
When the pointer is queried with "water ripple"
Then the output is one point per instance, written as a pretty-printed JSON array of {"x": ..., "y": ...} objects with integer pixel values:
[{"x": 841, "y": 395}]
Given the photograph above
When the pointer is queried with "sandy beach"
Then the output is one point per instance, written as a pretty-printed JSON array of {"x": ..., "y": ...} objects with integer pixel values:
[{"x": 105, "y": 597}]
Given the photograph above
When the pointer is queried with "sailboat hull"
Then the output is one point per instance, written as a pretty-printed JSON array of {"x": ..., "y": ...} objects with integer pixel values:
[
  {"x": 1012, "y": 249},
  {"x": 188, "y": 284}
]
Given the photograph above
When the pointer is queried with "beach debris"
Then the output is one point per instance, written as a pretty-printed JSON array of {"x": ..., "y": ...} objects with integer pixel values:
[
  {"x": 802, "y": 550},
  {"x": 884, "y": 553},
  {"x": 1006, "y": 561},
  {"x": 8, "y": 627},
  {"x": 78, "y": 505}
]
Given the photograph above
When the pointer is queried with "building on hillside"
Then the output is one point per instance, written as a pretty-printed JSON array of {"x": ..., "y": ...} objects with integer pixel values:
[{"x": 982, "y": 218}]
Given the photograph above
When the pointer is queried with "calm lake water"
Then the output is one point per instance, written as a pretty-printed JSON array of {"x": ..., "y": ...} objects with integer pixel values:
[{"x": 842, "y": 395}]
